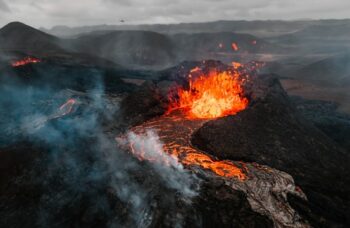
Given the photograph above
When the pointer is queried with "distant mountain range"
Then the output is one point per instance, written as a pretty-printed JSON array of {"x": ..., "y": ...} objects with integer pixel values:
[
  {"x": 130, "y": 48},
  {"x": 306, "y": 48},
  {"x": 257, "y": 28}
]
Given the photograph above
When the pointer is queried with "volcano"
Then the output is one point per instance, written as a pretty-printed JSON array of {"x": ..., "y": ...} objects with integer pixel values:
[{"x": 272, "y": 139}]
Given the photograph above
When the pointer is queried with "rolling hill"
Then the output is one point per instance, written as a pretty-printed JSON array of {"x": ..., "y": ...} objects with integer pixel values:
[{"x": 17, "y": 36}]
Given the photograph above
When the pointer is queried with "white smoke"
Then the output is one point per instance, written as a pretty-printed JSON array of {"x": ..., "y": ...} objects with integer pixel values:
[{"x": 149, "y": 147}]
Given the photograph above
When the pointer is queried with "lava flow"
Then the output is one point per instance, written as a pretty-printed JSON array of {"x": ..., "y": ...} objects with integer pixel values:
[
  {"x": 67, "y": 107},
  {"x": 211, "y": 95},
  {"x": 175, "y": 131},
  {"x": 25, "y": 61}
]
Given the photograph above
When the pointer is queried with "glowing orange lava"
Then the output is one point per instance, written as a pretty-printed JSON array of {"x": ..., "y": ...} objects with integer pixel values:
[
  {"x": 170, "y": 143},
  {"x": 67, "y": 107},
  {"x": 234, "y": 47},
  {"x": 221, "y": 168},
  {"x": 212, "y": 95},
  {"x": 236, "y": 65},
  {"x": 25, "y": 61}
]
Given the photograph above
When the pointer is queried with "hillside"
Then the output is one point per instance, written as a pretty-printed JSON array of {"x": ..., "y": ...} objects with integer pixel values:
[
  {"x": 128, "y": 47},
  {"x": 17, "y": 36},
  {"x": 330, "y": 71}
]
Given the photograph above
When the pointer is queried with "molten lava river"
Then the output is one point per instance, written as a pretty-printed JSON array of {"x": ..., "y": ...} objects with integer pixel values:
[{"x": 212, "y": 95}]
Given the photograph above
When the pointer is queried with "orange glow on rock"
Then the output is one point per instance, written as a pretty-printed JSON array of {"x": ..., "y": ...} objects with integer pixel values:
[
  {"x": 234, "y": 46},
  {"x": 25, "y": 61},
  {"x": 221, "y": 168},
  {"x": 166, "y": 140},
  {"x": 236, "y": 65},
  {"x": 67, "y": 107}
]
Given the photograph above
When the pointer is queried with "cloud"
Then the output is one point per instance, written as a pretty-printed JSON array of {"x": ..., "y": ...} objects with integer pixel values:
[
  {"x": 90, "y": 12},
  {"x": 4, "y": 7}
]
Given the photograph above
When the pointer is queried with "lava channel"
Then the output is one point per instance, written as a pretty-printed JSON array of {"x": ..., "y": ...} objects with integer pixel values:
[{"x": 266, "y": 188}]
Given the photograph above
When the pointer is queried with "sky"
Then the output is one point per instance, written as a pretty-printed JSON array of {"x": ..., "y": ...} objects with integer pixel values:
[{"x": 48, "y": 13}]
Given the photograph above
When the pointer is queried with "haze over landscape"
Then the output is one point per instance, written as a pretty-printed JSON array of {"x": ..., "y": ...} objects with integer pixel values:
[{"x": 174, "y": 113}]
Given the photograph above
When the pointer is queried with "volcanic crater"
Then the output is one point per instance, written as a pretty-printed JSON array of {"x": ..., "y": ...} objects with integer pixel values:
[{"x": 265, "y": 148}]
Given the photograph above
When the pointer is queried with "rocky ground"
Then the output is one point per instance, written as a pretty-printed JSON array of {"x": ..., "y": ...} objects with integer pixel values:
[
  {"x": 70, "y": 171},
  {"x": 272, "y": 132}
]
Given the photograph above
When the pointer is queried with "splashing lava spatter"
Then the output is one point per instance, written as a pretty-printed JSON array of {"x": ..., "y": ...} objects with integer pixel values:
[
  {"x": 212, "y": 95},
  {"x": 266, "y": 188}
]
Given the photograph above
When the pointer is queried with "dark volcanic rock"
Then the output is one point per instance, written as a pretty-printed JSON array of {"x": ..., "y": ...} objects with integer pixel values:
[
  {"x": 221, "y": 206},
  {"x": 40, "y": 192},
  {"x": 143, "y": 104},
  {"x": 18, "y": 36},
  {"x": 216, "y": 205},
  {"x": 271, "y": 132},
  {"x": 324, "y": 115},
  {"x": 73, "y": 76}
]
